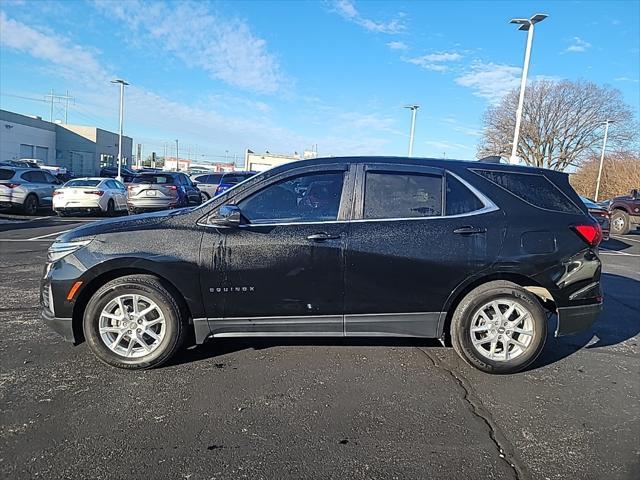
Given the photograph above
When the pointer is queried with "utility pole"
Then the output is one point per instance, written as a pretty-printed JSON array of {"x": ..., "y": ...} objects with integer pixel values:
[
  {"x": 58, "y": 99},
  {"x": 414, "y": 109},
  {"x": 122, "y": 83},
  {"x": 164, "y": 158},
  {"x": 526, "y": 24},
  {"x": 604, "y": 147},
  {"x": 177, "y": 157}
]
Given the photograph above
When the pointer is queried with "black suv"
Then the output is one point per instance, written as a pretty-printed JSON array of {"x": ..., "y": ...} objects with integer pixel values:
[{"x": 471, "y": 252}]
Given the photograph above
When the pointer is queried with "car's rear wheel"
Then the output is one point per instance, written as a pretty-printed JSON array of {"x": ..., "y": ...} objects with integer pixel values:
[
  {"x": 30, "y": 205},
  {"x": 204, "y": 197},
  {"x": 620, "y": 224},
  {"x": 133, "y": 322},
  {"x": 111, "y": 208},
  {"x": 499, "y": 327}
]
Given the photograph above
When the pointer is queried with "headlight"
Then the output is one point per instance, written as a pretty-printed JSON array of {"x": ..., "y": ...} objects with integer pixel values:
[{"x": 61, "y": 249}]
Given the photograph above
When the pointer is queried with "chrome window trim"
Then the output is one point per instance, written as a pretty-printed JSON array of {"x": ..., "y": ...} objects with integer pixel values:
[{"x": 488, "y": 207}]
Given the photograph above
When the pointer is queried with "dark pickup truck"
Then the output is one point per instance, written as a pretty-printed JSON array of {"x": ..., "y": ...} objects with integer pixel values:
[{"x": 625, "y": 212}]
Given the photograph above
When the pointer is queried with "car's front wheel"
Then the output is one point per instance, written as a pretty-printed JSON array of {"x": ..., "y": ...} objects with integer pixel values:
[
  {"x": 620, "y": 224},
  {"x": 133, "y": 322},
  {"x": 499, "y": 327}
]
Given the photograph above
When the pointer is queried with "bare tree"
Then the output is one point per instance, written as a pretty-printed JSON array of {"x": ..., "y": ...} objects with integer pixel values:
[
  {"x": 620, "y": 174},
  {"x": 561, "y": 123}
]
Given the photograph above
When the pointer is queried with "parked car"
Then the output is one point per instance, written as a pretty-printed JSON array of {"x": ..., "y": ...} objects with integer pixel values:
[
  {"x": 412, "y": 247},
  {"x": 112, "y": 172},
  {"x": 22, "y": 163},
  {"x": 90, "y": 195},
  {"x": 26, "y": 188},
  {"x": 231, "y": 179},
  {"x": 625, "y": 212},
  {"x": 601, "y": 214},
  {"x": 207, "y": 183},
  {"x": 160, "y": 191}
]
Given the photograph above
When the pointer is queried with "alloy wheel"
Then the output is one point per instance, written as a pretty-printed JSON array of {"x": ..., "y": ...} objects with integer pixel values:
[
  {"x": 502, "y": 329},
  {"x": 132, "y": 325}
]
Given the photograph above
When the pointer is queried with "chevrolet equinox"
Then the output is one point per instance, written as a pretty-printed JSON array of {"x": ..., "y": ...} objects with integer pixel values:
[{"x": 478, "y": 254}]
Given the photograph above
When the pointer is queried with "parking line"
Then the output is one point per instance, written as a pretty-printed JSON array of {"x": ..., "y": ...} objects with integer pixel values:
[
  {"x": 626, "y": 238},
  {"x": 26, "y": 240},
  {"x": 615, "y": 252},
  {"x": 49, "y": 235}
]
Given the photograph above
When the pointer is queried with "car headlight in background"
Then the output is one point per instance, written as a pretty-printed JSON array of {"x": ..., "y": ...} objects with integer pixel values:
[{"x": 61, "y": 249}]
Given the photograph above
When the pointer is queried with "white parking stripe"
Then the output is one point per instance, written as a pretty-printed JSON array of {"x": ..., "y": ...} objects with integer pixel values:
[
  {"x": 26, "y": 240},
  {"x": 49, "y": 235},
  {"x": 615, "y": 252},
  {"x": 626, "y": 238}
]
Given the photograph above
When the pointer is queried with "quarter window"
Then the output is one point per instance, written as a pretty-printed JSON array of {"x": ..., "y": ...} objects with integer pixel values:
[
  {"x": 402, "y": 195},
  {"x": 459, "y": 199},
  {"x": 305, "y": 198}
]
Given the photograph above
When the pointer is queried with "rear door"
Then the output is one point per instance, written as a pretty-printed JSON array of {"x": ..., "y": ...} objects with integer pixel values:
[{"x": 418, "y": 232}]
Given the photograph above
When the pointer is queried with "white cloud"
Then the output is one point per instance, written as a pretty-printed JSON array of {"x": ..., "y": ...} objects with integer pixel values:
[
  {"x": 347, "y": 10},
  {"x": 436, "y": 62},
  {"x": 397, "y": 46},
  {"x": 448, "y": 145},
  {"x": 490, "y": 80},
  {"x": 56, "y": 49},
  {"x": 225, "y": 48},
  {"x": 578, "y": 45},
  {"x": 626, "y": 79}
]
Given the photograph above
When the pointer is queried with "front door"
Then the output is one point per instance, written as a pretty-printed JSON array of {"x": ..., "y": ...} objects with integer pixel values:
[
  {"x": 418, "y": 232},
  {"x": 281, "y": 271}
]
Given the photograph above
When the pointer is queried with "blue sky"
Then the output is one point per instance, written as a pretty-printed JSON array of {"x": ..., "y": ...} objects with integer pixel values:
[{"x": 282, "y": 76}]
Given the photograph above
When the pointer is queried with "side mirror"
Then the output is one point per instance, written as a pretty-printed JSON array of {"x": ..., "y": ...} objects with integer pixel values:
[
  {"x": 228, "y": 216},
  {"x": 635, "y": 194}
]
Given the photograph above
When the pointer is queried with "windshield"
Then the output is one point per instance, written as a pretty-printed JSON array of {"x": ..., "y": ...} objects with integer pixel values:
[
  {"x": 154, "y": 179},
  {"x": 81, "y": 183},
  {"x": 589, "y": 203}
]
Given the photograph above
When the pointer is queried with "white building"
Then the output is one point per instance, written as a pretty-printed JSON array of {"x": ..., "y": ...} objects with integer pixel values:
[
  {"x": 26, "y": 137},
  {"x": 259, "y": 162}
]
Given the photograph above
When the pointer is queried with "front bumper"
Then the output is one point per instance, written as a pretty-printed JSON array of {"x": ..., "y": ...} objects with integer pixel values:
[
  {"x": 577, "y": 319},
  {"x": 62, "y": 326}
]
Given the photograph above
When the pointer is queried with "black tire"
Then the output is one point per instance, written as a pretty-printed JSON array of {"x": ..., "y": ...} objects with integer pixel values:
[
  {"x": 30, "y": 205},
  {"x": 62, "y": 213},
  {"x": 132, "y": 211},
  {"x": 620, "y": 224},
  {"x": 204, "y": 197},
  {"x": 468, "y": 309},
  {"x": 111, "y": 208},
  {"x": 151, "y": 288}
]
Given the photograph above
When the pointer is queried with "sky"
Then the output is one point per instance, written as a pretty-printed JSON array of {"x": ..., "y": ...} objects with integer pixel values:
[{"x": 283, "y": 76}]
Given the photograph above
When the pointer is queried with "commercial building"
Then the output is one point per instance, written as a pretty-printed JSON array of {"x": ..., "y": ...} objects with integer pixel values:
[
  {"x": 84, "y": 150},
  {"x": 263, "y": 161}
]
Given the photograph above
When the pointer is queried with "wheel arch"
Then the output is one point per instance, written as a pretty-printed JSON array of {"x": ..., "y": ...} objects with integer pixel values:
[
  {"x": 104, "y": 277},
  {"x": 541, "y": 292}
]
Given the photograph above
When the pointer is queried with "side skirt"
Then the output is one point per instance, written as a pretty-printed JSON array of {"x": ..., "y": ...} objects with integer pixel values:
[{"x": 414, "y": 324}]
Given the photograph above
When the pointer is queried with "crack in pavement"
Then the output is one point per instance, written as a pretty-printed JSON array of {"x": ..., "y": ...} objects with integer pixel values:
[{"x": 506, "y": 450}]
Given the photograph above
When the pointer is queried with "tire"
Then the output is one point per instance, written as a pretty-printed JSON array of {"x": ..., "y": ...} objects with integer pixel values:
[
  {"x": 111, "y": 208},
  {"x": 620, "y": 224},
  {"x": 30, "y": 205},
  {"x": 169, "y": 332},
  {"x": 468, "y": 315},
  {"x": 61, "y": 213},
  {"x": 204, "y": 197}
]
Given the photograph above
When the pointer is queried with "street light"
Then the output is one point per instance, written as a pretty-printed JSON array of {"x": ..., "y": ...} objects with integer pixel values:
[
  {"x": 122, "y": 84},
  {"x": 414, "y": 109},
  {"x": 177, "y": 157},
  {"x": 525, "y": 25},
  {"x": 604, "y": 147}
]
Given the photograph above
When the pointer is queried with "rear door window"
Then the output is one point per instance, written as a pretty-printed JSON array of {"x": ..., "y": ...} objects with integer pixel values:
[
  {"x": 34, "y": 177},
  {"x": 459, "y": 199},
  {"x": 533, "y": 188},
  {"x": 6, "y": 173},
  {"x": 402, "y": 195}
]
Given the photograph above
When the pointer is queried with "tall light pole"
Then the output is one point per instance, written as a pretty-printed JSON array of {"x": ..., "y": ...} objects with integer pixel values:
[
  {"x": 526, "y": 24},
  {"x": 414, "y": 109},
  {"x": 122, "y": 84},
  {"x": 177, "y": 157},
  {"x": 604, "y": 147}
]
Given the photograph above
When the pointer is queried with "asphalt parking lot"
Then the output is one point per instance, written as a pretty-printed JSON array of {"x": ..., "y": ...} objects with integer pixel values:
[{"x": 283, "y": 408}]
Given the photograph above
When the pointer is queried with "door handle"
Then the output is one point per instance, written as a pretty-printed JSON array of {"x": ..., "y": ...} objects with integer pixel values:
[
  {"x": 322, "y": 236},
  {"x": 469, "y": 230}
]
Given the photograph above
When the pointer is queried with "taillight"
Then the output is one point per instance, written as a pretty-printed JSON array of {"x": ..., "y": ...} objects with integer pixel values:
[
  {"x": 592, "y": 234},
  {"x": 95, "y": 192},
  {"x": 57, "y": 192},
  {"x": 11, "y": 185},
  {"x": 218, "y": 190},
  {"x": 172, "y": 187}
]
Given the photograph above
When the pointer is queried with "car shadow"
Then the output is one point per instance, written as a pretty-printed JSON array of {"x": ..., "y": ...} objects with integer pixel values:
[
  {"x": 617, "y": 323},
  {"x": 616, "y": 244}
]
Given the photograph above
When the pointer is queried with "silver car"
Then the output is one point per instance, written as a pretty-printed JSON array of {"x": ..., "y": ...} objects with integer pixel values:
[
  {"x": 160, "y": 191},
  {"x": 27, "y": 188}
]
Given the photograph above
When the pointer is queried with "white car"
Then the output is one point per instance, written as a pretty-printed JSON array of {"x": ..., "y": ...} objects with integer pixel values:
[{"x": 94, "y": 195}]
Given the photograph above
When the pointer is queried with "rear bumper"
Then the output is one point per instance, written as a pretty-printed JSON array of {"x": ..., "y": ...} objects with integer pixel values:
[
  {"x": 577, "y": 319},
  {"x": 62, "y": 326}
]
